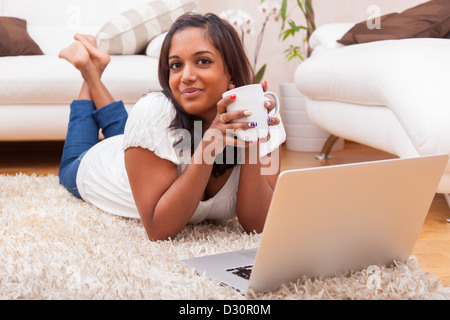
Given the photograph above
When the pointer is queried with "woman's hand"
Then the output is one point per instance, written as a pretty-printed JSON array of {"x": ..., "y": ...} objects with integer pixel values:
[
  {"x": 223, "y": 124},
  {"x": 270, "y": 105}
]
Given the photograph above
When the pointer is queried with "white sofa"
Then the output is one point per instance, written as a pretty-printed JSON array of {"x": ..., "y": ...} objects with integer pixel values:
[
  {"x": 35, "y": 91},
  {"x": 392, "y": 95}
]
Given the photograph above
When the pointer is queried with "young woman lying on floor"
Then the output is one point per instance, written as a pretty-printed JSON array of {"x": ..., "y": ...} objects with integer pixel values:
[{"x": 146, "y": 167}]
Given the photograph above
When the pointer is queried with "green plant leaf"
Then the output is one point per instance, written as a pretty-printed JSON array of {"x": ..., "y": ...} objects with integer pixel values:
[
  {"x": 294, "y": 26},
  {"x": 293, "y": 52},
  {"x": 290, "y": 28},
  {"x": 283, "y": 13},
  {"x": 259, "y": 76},
  {"x": 288, "y": 33},
  {"x": 309, "y": 8},
  {"x": 299, "y": 3}
]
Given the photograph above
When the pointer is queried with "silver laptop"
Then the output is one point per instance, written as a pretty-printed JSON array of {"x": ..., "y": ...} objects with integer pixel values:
[{"x": 327, "y": 220}]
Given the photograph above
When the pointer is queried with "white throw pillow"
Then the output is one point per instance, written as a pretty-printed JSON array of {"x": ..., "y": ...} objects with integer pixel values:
[
  {"x": 328, "y": 34},
  {"x": 154, "y": 47},
  {"x": 131, "y": 31}
]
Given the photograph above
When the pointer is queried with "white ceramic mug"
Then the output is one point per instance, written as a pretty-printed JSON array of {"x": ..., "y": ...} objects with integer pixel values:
[{"x": 252, "y": 97}]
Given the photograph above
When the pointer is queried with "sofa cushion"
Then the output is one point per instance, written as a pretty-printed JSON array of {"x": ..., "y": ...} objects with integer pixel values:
[
  {"x": 14, "y": 38},
  {"x": 131, "y": 31},
  {"x": 409, "y": 76},
  {"x": 428, "y": 20},
  {"x": 49, "y": 80}
]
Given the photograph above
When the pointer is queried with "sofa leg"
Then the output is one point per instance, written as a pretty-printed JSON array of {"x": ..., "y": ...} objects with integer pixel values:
[
  {"x": 326, "y": 149},
  {"x": 447, "y": 197}
]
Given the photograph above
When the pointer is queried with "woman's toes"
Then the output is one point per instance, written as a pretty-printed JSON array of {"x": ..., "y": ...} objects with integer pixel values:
[{"x": 76, "y": 54}]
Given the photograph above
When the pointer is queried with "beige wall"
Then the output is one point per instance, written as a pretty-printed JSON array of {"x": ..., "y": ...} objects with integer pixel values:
[
  {"x": 355, "y": 10},
  {"x": 327, "y": 11}
]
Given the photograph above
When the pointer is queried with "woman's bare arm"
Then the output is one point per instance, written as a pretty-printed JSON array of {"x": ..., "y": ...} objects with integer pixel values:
[
  {"x": 256, "y": 185},
  {"x": 165, "y": 201}
]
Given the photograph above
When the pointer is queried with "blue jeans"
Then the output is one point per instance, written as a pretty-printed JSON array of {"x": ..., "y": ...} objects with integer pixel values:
[{"x": 83, "y": 133}]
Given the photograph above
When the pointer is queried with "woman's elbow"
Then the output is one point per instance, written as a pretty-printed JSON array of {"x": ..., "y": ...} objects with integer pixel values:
[
  {"x": 252, "y": 224},
  {"x": 155, "y": 235}
]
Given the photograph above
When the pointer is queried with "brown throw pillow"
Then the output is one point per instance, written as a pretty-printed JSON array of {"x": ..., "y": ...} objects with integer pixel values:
[
  {"x": 427, "y": 20},
  {"x": 15, "y": 40}
]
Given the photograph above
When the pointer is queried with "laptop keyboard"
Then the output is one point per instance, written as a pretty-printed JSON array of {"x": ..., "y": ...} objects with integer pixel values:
[{"x": 243, "y": 272}]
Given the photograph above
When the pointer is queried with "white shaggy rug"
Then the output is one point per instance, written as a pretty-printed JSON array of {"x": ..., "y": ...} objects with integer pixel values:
[{"x": 53, "y": 246}]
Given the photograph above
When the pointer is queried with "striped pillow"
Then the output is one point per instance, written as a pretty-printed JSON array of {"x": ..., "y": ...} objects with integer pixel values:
[{"x": 131, "y": 31}]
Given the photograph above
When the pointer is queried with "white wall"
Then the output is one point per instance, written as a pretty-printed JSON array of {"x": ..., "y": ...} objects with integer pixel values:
[
  {"x": 63, "y": 12},
  {"x": 326, "y": 11}
]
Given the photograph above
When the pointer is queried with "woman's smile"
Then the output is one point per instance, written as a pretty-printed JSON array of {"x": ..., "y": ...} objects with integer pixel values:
[{"x": 191, "y": 93}]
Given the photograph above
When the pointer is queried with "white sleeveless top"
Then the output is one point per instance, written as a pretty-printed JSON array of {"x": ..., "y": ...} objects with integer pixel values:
[{"x": 102, "y": 178}]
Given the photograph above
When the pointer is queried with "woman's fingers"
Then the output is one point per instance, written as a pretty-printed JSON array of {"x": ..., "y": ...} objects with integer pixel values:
[
  {"x": 224, "y": 103},
  {"x": 230, "y": 116},
  {"x": 264, "y": 85},
  {"x": 273, "y": 121},
  {"x": 269, "y": 104}
]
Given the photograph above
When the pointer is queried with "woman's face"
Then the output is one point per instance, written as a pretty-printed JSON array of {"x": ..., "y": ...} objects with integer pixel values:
[{"x": 197, "y": 73}]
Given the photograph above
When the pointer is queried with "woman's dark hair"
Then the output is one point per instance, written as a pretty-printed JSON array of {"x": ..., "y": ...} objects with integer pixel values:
[{"x": 226, "y": 40}]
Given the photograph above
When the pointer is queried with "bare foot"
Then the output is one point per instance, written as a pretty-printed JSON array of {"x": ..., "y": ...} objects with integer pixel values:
[
  {"x": 86, "y": 38},
  {"x": 76, "y": 54},
  {"x": 99, "y": 58}
]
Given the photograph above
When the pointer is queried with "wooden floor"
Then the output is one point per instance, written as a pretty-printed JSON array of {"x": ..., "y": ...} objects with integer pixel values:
[{"x": 433, "y": 245}]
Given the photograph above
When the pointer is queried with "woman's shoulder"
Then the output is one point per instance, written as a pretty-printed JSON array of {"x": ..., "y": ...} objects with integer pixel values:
[
  {"x": 152, "y": 112},
  {"x": 153, "y": 104},
  {"x": 148, "y": 126}
]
